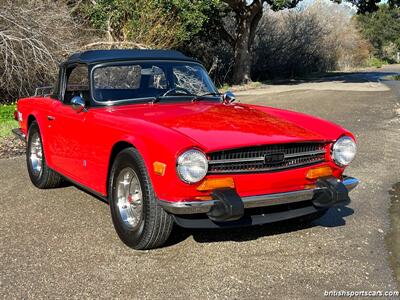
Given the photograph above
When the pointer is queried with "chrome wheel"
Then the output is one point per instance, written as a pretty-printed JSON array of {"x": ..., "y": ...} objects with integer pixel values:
[
  {"x": 129, "y": 198},
  {"x": 36, "y": 154}
]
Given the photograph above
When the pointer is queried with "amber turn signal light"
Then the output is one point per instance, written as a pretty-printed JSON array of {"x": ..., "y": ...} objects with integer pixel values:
[
  {"x": 203, "y": 198},
  {"x": 315, "y": 173},
  {"x": 310, "y": 186},
  {"x": 215, "y": 183},
  {"x": 159, "y": 168}
]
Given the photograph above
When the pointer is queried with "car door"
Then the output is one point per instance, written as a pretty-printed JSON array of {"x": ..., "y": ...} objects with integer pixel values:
[{"x": 68, "y": 127}]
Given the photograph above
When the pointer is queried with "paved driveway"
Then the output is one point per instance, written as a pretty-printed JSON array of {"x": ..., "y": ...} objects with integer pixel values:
[{"x": 61, "y": 243}]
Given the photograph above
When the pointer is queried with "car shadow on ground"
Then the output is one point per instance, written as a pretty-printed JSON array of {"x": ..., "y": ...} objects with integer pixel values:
[{"x": 334, "y": 217}]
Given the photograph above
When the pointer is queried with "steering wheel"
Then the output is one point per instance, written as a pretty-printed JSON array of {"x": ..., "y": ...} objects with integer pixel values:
[{"x": 187, "y": 92}]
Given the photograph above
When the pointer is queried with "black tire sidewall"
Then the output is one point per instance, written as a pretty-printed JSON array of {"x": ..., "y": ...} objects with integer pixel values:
[
  {"x": 36, "y": 179},
  {"x": 131, "y": 237}
]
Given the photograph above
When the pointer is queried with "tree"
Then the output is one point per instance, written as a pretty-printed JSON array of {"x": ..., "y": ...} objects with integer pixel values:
[
  {"x": 174, "y": 23},
  {"x": 248, "y": 16},
  {"x": 370, "y": 6},
  {"x": 382, "y": 29},
  {"x": 153, "y": 23}
]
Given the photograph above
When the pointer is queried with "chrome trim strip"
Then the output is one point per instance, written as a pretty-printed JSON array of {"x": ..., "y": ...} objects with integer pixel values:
[
  {"x": 40, "y": 90},
  {"x": 254, "y": 159},
  {"x": 238, "y": 171},
  {"x": 305, "y": 153},
  {"x": 239, "y": 160},
  {"x": 196, "y": 207},
  {"x": 19, "y": 134}
]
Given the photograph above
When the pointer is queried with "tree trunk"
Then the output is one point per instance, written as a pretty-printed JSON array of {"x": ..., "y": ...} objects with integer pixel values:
[
  {"x": 242, "y": 55},
  {"x": 248, "y": 17}
]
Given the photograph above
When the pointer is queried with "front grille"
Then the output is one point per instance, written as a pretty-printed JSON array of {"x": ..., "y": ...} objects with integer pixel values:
[{"x": 266, "y": 158}]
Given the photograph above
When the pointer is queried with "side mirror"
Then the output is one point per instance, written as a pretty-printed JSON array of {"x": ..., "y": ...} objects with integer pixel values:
[
  {"x": 78, "y": 104},
  {"x": 228, "y": 97}
]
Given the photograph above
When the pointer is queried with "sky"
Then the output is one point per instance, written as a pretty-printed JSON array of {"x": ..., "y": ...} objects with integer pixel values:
[{"x": 351, "y": 8}]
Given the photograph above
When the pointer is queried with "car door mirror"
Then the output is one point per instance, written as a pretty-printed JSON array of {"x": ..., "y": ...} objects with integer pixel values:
[
  {"x": 78, "y": 104},
  {"x": 228, "y": 97}
]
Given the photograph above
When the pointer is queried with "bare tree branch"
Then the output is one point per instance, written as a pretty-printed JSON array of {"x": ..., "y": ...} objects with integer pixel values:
[
  {"x": 113, "y": 45},
  {"x": 32, "y": 43}
]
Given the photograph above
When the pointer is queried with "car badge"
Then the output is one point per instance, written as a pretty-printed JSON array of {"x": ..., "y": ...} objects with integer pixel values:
[{"x": 274, "y": 158}]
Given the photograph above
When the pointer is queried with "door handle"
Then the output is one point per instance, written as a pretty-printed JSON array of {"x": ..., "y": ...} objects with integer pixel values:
[{"x": 50, "y": 118}]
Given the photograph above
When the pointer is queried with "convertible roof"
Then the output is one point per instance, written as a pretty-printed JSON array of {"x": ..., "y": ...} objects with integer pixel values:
[{"x": 98, "y": 56}]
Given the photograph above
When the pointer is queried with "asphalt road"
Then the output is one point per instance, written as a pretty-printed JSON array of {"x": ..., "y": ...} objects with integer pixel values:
[{"x": 61, "y": 243}]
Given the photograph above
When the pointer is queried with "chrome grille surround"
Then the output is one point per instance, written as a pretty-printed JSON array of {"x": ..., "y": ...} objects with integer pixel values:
[{"x": 253, "y": 159}]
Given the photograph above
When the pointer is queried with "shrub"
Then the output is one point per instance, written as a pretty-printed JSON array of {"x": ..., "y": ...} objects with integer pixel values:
[
  {"x": 382, "y": 29},
  {"x": 319, "y": 38},
  {"x": 152, "y": 23},
  {"x": 7, "y": 111},
  {"x": 35, "y": 36},
  {"x": 376, "y": 62}
]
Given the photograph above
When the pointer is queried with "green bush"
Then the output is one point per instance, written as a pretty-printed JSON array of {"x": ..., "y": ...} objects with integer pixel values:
[
  {"x": 393, "y": 77},
  {"x": 7, "y": 112},
  {"x": 153, "y": 23},
  {"x": 382, "y": 29},
  {"x": 376, "y": 62}
]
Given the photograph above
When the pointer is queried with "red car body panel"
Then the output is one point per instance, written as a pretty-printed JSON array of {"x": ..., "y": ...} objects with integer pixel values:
[{"x": 79, "y": 145}]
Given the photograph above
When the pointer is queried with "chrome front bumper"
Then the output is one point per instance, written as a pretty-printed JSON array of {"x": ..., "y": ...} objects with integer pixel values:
[{"x": 197, "y": 207}]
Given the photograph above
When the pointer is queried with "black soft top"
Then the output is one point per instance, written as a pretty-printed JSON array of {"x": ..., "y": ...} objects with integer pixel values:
[{"x": 100, "y": 56}]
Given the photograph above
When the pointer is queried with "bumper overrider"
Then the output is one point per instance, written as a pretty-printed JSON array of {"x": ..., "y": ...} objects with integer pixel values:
[
  {"x": 19, "y": 134},
  {"x": 228, "y": 209}
]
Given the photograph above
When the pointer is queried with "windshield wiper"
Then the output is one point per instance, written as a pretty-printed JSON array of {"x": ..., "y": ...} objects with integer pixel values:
[
  {"x": 194, "y": 97},
  {"x": 211, "y": 94},
  {"x": 160, "y": 97},
  {"x": 204, "y": 96}
]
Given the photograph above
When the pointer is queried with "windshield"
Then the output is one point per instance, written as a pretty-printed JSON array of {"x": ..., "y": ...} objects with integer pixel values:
[{"x": 143, "y": 80}]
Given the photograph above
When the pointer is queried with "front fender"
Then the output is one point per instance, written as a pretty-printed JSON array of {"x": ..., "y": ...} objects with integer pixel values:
[
  {"x": 36, "y": 108},
  {"x": 155, "y": 143}
]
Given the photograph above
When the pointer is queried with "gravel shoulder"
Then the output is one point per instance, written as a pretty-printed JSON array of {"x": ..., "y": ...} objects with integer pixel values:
[
  {"x": 61, "y": 243},
  {"x": 10, "y": 147}
]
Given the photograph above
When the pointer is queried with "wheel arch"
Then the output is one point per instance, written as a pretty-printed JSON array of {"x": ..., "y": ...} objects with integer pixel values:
[
  {"x": 117, "y": 148},
  {"x": 30, "y": 120},
  {"x": 34, "y": 116},
  {"x": 151, "y": 150}
]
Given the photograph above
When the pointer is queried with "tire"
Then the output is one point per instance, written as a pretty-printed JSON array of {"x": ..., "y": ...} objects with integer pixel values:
[
  {"x": 138, "y": 219},
  {"x": 40, "y": 174}
]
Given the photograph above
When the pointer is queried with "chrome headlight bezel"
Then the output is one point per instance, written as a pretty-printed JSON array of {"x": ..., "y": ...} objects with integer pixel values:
[
  {"x": 343, "y": 151},
  {"x": 192, "y": 166}
]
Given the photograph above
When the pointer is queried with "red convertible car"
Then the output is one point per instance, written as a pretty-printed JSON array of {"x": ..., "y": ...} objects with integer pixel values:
[{"x": 147, "y": 131}]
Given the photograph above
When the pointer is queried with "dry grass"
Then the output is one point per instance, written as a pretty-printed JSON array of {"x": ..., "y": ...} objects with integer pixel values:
[{"x": 6, "y": 126}]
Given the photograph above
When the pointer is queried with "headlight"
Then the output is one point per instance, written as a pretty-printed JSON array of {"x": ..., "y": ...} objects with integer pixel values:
[
  {"x": 192, "y": 166},
  {"x": 344, "y": 151}
]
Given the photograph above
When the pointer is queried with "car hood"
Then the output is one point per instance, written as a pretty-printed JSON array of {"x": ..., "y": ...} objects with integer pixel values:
[{"x": 216, "y": 126}]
